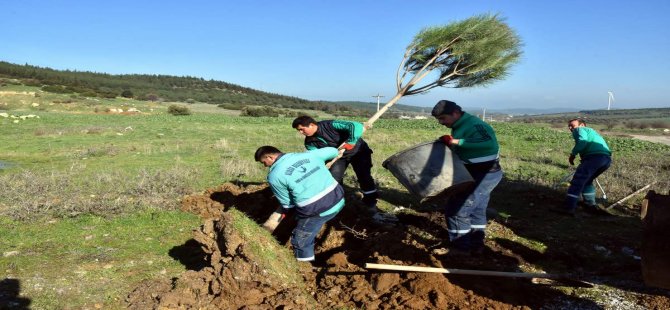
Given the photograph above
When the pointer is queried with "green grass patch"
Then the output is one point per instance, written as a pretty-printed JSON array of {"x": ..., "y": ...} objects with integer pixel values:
[
  {"x": 88, "y": 199},
  {"x": 80, "y": 262}
]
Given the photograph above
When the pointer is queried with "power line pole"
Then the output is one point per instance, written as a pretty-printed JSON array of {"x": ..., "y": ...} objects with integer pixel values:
[{"x": 378, "y": 96}]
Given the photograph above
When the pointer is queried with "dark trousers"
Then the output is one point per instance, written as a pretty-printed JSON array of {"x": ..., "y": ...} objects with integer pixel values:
[
  {"x": 304, "y": 234},
  {"x": 588, "y": 170},
  {"x": 361, "y": 161}
]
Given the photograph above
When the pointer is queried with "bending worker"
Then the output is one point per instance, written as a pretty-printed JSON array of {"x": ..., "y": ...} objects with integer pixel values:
[
  {"x": 302, "y": 181},
  {"x": 475, "y": 143},
  {"x": 336, "y": 133},
  {"x": 596, "y": 157}
]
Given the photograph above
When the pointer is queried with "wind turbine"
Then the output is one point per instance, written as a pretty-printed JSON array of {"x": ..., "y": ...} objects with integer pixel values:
[{"x": 610, "y": 99}]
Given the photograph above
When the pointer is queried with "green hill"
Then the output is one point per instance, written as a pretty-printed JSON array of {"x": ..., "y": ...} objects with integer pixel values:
[{"x": 172, "y": 88}]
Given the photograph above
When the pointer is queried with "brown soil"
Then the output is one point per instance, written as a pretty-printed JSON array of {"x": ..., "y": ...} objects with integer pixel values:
[{"x": 339, "y": 279}]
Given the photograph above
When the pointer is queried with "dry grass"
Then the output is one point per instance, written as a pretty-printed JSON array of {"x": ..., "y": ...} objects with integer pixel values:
[{"x": 31, "y": 194}]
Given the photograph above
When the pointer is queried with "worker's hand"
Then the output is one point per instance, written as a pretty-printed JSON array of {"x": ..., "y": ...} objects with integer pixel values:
[
  {"x": 367, "y": 125},
  {"x": 348, "y": 146},
  {"x": 571, "y": 159},
  {"x": 447, "y": 139}
]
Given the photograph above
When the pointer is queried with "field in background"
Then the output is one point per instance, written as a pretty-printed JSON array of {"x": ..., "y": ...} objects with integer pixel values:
[{"x": 79, "y": 182}]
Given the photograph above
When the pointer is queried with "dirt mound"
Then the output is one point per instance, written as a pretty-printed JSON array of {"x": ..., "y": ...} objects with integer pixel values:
[
  {"x": 255, "y": 199},
  {"x": 232, "y": 278}
]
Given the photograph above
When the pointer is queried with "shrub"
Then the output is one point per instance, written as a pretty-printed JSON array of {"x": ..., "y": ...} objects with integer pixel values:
[
  {"x": 31, "y": 82},
  {"x": 127, "y": 94},
  {"x": 660, "y": 124},
  {"x": 259, "y": 111},
  {"x": 150, "y": 97},
  {"x": 89, "y": 93},
  {"x": 176, "y": 109}
]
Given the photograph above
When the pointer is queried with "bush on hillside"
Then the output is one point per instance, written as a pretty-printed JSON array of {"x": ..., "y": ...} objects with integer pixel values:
[
  {"x": 176, "y": 109},
  {"x": 660, "y": 124},
  {"x": 259, "y": 111},
  {"x": 31, "y": 82},
  {"x": 127, "y": 94}
]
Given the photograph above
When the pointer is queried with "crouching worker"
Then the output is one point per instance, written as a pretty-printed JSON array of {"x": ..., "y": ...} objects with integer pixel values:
[{"x": 302, "y": 181}]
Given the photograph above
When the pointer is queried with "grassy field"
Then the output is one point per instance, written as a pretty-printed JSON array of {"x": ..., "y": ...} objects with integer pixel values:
[{"x": 89, "y": 200}]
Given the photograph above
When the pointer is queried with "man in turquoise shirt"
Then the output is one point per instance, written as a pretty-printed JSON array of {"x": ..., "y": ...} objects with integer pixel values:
[
  {"x": 301, "y": 181},
  {"x": 596, "y": 157}
]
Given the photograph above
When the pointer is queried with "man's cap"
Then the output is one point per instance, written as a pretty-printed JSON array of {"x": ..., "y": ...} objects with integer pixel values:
[{"x": 445, "y": 107}]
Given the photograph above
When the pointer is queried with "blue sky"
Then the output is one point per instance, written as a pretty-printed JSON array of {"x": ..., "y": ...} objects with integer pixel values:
[{"x": 574, "y": 51}]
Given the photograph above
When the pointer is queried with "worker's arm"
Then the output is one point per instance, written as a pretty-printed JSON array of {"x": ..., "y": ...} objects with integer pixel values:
[
  {"x": 353, "y": 129},
  {"x": 581, "y": 141},
  {"x": 281, "y": 191},
  {"x": 481, "y": 139},
  {"x": 325, "y": 154}
]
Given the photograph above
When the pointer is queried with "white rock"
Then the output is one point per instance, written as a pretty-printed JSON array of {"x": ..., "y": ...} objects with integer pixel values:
[{"x": 10, "y": 253}]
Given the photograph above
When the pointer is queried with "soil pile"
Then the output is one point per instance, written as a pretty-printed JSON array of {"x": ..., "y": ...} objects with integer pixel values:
[
  {"x": 231, "y": 281},
  {"x": 338, "y": 279}
]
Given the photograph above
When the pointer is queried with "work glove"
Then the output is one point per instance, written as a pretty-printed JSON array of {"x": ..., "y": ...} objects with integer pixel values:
[
  {"x": 571, "y": 159},
  {"x": 348, "y": 147},
  {"x": 447, "y": 139}
]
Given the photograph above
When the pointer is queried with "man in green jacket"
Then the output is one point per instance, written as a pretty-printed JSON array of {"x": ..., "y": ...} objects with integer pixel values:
[
  {"x": 301, "y": 181},
  {"x": 596, "y": 157},
  {"x": 347, "y": 135},
  {"x": 475, "y": 143}
]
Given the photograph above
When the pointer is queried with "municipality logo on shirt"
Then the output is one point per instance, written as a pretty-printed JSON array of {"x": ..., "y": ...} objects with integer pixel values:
[{"x": 297, "y": 165}]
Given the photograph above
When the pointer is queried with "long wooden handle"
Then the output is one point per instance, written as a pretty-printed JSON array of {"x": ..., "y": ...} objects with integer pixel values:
[
  {"x": 629, "y": 196},
  {"x": 464, "y": 271}
]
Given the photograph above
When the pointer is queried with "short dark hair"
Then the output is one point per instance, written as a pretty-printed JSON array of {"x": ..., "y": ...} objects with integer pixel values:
[
  {"x": 303, "y": 120},
  {"x": 579, "y": 120},
  {"x": 445, "y": 107},
  {"x": 265, "y": 150}
]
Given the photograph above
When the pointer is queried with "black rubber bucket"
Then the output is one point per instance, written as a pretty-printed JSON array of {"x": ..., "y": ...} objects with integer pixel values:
[{"x": 429, "y": 171}]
